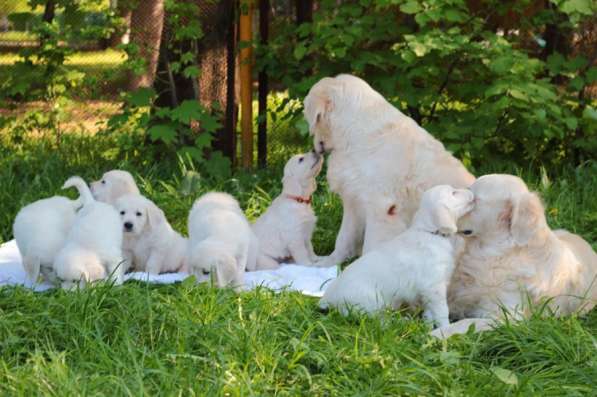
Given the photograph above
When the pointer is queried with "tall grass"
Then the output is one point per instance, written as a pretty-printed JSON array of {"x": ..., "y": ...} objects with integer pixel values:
[{"x": 185, "y": 339}]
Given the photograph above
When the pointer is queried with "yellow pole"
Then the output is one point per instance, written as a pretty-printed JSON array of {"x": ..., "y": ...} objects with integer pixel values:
[{"x": 246, "y": 83}]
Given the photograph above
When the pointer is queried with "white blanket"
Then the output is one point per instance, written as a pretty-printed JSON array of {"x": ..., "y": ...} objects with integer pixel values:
[{"x": 307, "y": 280}]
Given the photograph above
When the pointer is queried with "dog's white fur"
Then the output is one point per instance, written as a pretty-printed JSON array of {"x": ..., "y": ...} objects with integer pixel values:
[
  {"x": 414, "y": 267},
  {"x": 112, "y": 185},
  {"x": 149, "y": 244},
  {"x": 219, "y": 239},
  {"x": 284, "y": 230},
  {"x": 513, "y": 258},
  {"x": 40, "y": 230},
  {"x": 380, "y": 162},
  {"x": 94, "y": 241}
]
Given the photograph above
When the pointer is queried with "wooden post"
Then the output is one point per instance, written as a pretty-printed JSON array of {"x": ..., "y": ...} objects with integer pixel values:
[
  {"x": 246, "y": 86},
  {"x": 264, "y": 6}
]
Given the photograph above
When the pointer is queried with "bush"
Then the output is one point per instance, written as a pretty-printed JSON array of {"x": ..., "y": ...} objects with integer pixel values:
[{"x": 489, "y": 93}]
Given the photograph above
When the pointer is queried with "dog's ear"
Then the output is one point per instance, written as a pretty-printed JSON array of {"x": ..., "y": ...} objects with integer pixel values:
[
  {"x": 527, "y": 218},
  {"x": 443, "y": 220},
  {"x": 155, "y": 216},
  {"x": 320, "y": 105}
]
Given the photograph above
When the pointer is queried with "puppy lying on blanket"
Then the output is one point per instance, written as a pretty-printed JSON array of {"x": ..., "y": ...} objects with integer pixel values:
[
  {"x": 414, "y": 267},
  {"x": 40, "y": 231},
  {"x": 93, "y": 245},
  {"x": 219, "y": 239},
  {"x": 150, "y": 244},
  {"x": 284, "y": 230},
  {"x": 112, "y": 185}
]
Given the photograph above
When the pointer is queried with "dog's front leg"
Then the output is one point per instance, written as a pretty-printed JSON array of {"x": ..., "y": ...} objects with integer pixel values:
[
  {"x": 350, "y": 236},
  {"x": 300, "y": 253},
  {"x": 154, "y": 263}
]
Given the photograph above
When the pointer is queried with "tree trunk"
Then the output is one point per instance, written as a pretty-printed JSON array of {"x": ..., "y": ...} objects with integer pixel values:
[
  {"x": 216, "y": 86},
  {"x": 49, "y": 11},
  {"x": 121, "y": 36},
  {"x": 304, "y": 11},
  {"x": 217, "y": 65},
  {"x": 146, "y": 32}
]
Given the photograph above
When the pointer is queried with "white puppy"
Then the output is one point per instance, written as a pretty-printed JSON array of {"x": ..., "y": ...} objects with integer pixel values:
[
  {"x": 150, "y": 244},
  {"x": 219, "y": 239},
  {"x": 414, "y": 267},
  {"x": 380, "y": 162},
  {"x": 40, "y": 230},
  {"x": 94, "y": 241},
  {"x": 284, "y": 230},
  {"x": 113, "y": 184},
  {"x": 513, "y": 258}
]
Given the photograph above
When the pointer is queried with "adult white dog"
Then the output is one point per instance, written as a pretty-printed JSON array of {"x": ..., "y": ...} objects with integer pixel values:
[
  {"x": 513, "y": 258},
  {"x": 219, "y": 239},
  {"x": 150, "y": 244},
  {"x": 112, "y": 185},
  {"x": 380, "y": 162},
  {"x": 40, "y": 230},
  {"x": 94, "y": 241},
  {"x": 284, "y": 230},
  {"x": 414, "y": 267}
]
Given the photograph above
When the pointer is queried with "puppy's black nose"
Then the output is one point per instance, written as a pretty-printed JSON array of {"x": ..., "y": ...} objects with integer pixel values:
[
  {"x": 205, "y": 272},
  {"x": 128, "y": 226}
]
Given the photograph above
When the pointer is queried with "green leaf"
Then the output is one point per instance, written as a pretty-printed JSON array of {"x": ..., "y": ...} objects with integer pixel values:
[
  {"x": 299, "y": 51},
  {"x": 515, "y": 93},
  {"x": 217, "y": 166},
  {"x": 209, "y": 123},
  {"x": 577, "y": 6},
  {"x": 571, "y": 122},
  {"x": 162, "y": 132},
  {"x": 187, "y": 111},
  {"x": 505, "y": 375},
  {"x": 410, "y": 7},
  {"x": 203, "y": 141},
  {"x": 589, "y": 113},
  {"x": 302, "y": 126},
  {"x": 191, "y": 71},
  {"x": 141, "y": 97}
]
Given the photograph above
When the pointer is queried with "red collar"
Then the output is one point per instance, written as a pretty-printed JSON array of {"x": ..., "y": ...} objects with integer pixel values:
[{"x": 299, "y": 199}]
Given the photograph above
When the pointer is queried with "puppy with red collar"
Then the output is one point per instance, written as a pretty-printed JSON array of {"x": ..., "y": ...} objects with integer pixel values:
[{"x": 284, "y": 230}]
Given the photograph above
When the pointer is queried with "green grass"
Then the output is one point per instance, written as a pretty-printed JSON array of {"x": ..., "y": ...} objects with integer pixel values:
[{"x": 142, "y": 339}]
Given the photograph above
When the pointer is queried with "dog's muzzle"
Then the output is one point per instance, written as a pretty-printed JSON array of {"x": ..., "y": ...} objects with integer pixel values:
[{"x": 128, "y": 226}]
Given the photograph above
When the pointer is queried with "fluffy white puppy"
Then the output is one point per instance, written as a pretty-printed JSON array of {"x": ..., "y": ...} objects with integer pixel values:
[
  {"x": 414, "y": 267},
  {"x": 40, "y": 230},
  {"x": 94, "y": 240},
  {"x": 380, "y": 162},
  {"x": 284, "y": 230},
  {"x": 150, "y": 244},
  {"x": 112, "y": 185},
  {"x": 219, "y": 239},
  {"x": 513, "y": 258}
]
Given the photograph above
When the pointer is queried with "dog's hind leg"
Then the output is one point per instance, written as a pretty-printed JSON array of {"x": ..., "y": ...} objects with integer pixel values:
[{"x": 32, "y": 264}]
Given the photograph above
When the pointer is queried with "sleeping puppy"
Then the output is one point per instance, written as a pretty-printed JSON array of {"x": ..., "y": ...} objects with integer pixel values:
[
  {"x": 40, "y": 230},
  {"x": 513, "y": 258},
  {"x": 150, "y": 244},
  {"x": 94, "y": 240},
  {"x": 113, "y": 184},
  {"x": 284, "y": 230},
  {"x": 380, "y": 162},
  {"x": 414, "y": 267},
  {"x": 219, "y": 239}
]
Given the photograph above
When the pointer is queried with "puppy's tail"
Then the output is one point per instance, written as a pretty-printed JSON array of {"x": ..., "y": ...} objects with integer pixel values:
[{"x": 85, "y": 194}]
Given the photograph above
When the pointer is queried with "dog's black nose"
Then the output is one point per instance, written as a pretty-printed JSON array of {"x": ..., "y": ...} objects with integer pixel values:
[
  {"x": 205, "y": 272},
  {"x": 128, "y": 226}
]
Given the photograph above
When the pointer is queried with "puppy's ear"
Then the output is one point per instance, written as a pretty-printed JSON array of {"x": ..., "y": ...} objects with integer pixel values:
[
  {"x": 528, "y": 218},
  {"x": 443, "y": 220},
  {"x": 155, "y": 216}
]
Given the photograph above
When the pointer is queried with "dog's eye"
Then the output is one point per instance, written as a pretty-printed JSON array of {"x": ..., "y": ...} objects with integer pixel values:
[
  {"x": 392, "y": 210},
  {"x": 103, "y": 182},
  {"x": 121, "y": 212},
  {"x": 301, "y": 159},
  {"x": 138, "y": 213}
]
